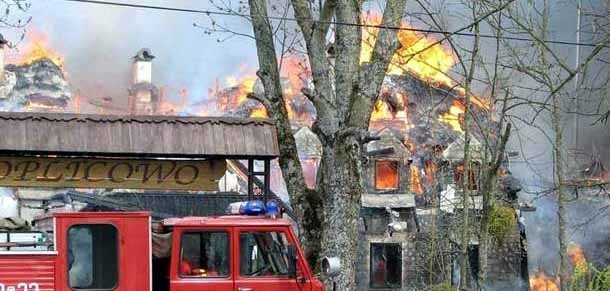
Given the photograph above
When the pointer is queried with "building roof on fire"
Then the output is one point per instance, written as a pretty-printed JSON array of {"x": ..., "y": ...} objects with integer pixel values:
[{"x": 137, "y": 136}]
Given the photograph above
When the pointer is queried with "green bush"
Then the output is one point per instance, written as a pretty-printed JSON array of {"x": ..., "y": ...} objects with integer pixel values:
[
  {"x": 502, "y": 221},
  {"x": 589, "y": 279}
]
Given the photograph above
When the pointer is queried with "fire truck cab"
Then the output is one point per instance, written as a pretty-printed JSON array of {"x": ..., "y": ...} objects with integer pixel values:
[{"x": 121, "y": 251}]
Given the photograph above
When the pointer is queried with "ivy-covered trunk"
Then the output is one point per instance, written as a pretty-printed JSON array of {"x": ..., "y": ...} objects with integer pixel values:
[{"x": 340, "y": 187}]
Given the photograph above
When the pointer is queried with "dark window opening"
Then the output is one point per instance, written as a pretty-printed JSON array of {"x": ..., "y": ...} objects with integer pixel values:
[
  {"x": 386, "y": 265},
  {"x": 386, "y": 175},
  {"x": 263, "y": 253},
  {"x": 93, "y": 256},
  {"x": 204, "y": 254}
]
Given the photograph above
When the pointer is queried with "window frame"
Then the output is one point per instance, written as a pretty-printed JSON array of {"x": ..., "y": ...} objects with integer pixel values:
[
  {"x": 383, "y": 190},
  {"x": 282, "y": 232},
  {"x": 384, "y": 244},
  {"x": 118, "y": 254},
  {"x": 228, "y": 247}
]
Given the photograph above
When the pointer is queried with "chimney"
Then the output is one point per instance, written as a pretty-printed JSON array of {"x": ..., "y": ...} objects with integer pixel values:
[
  {"x": 142, "y": 67},
  {"x": 3, "y": 46}
]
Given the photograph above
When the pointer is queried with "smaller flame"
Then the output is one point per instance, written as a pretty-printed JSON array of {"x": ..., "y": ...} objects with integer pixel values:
[
  {"x": 259, "y": 112},
  {"x": 544, "y": 282},
  {"x": 430, "y": 170},
  {"x": 454, "y": 116},
  {"x": 577, "y": 257},
  {"x": 415, "y": 185},
  {"x": 37, "y": 48}
]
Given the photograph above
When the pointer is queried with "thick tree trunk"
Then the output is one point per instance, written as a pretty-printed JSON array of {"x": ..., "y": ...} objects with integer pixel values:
[
  {"x": 343, "y": 108},
  {"x": 305, "y": 202},
  {"x": 340, "y": 186}
]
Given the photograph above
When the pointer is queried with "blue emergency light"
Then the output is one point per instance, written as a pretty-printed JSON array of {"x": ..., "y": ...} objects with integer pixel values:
[{"x": 255, "y": 207}]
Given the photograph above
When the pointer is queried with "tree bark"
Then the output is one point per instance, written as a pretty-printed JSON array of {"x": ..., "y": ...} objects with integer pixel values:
[
  {"x": 465, "y": 227},
  {"x": 564, "y": 267},
  {"x": 306, "y": 203},
  {"x": 344, "y": 105}
]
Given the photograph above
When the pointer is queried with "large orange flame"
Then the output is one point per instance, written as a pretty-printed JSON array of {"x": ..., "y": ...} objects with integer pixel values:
[
  {"x": 294, "y": 74},
  {"x": 543, "y": 282},
  {"x": 416, "y": 54},
  {"x": 37, "y": 47},
  {"x": 454, "y": 116}
]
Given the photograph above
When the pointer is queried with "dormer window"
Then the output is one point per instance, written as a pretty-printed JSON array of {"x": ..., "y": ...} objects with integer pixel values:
[{"x": 386, "y": 175}]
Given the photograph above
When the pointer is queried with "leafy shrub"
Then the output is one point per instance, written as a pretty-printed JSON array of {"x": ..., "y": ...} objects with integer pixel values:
[
  {"x": 443, "y": 287},
  {"x": 501, "y": 221}
]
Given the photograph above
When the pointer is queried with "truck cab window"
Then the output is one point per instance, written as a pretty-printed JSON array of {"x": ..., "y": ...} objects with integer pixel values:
[
  {"x": 263, "y": 253},
  {"x": 204, "y": 254},
  {"x": 93, "y": 257}
]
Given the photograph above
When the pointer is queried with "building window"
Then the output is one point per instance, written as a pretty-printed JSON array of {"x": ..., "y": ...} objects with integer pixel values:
[
  {"x": 473, "y": 181},
  {"x": 386, "y": 175},
  {"x": 93, "y": 257},
  {"x": 386, "y": 265},
  {"x": 204, "y": 254},
  {"x": 263, "y": 253}
]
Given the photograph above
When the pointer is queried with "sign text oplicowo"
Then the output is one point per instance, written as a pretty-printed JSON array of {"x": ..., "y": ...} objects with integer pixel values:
[{"x": 111, "y": 173}]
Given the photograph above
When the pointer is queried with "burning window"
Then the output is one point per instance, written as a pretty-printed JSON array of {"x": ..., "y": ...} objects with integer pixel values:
[
  {"x": 473, "y": 181},
  {"x": 386, "y": 265},
  {"x": 386, "y": 175}
]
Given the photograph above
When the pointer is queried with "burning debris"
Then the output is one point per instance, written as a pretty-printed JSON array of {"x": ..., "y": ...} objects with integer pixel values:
[
  {"x": 35, "y": 79},
  {"x": 542, "y": 282}
]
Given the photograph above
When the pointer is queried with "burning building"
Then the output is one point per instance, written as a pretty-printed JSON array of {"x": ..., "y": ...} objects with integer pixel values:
[
  {"x": 409, "y": 208},
  {"x": 35, "y": 81}
]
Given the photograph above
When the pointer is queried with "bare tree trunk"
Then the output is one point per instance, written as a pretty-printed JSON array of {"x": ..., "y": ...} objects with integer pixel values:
[
  {"x": 306, "y": 203},
  {"x": 343, "y": 108},
  {"x": 497, "y": 153},
  {"x": 564, "y": 272},
  {"x": 465, "y": 187}
]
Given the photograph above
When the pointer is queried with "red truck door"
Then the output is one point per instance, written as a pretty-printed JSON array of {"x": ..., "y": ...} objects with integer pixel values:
[
  {"x": 262, "y": 262},
  {"x": 201, "y": 259},
  {"x": 103, "y": 251}
]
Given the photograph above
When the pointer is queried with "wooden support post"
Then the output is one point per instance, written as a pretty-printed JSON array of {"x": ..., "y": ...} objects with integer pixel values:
[
  {"x": 267, "y": 179},
  {"x": 250, "y": 179}
]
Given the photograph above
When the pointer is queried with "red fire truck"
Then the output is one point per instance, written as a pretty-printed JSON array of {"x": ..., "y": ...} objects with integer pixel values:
[{"x": 121, "y": 251}]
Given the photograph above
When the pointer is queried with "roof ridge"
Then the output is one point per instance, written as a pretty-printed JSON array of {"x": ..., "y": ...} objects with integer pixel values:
[{"x": 70, "y": 117}]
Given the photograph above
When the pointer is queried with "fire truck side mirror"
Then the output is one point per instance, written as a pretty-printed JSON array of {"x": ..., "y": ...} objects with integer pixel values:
[
  {"x": 291, "y": 253},
  {"x": 331, "y": 266}
]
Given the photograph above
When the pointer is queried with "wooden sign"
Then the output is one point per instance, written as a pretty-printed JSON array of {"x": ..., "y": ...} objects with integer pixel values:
[{"x": 111, "y": 173}]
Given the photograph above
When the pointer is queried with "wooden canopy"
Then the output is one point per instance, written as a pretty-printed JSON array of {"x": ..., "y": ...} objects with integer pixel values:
[{"x": 137, "y": 136}]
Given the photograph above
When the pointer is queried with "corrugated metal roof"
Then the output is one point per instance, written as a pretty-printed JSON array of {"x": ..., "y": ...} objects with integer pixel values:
[
  {"x": 138, "y": 135},
  {"x": 169, "y": 204}
]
